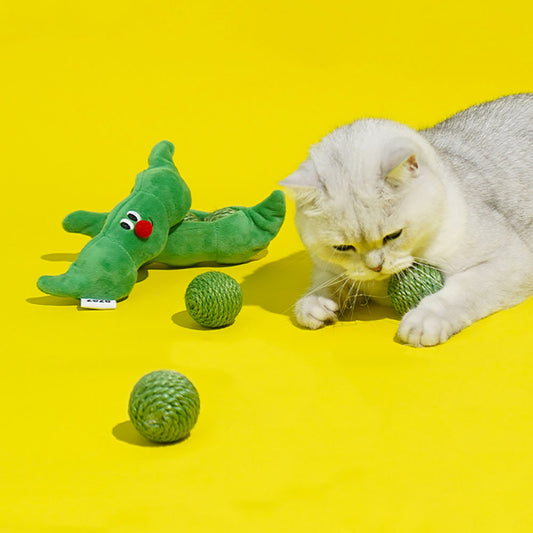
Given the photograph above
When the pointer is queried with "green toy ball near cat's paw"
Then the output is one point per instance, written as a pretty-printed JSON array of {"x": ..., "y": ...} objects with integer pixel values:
[
  {"x": 213, "y": 299},
  {"x": 164, "y": 406},
  {"x": 408, "y": 287}
]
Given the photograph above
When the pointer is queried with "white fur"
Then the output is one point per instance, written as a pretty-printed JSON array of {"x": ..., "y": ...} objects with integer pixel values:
[{"x": 461, "y": 194}]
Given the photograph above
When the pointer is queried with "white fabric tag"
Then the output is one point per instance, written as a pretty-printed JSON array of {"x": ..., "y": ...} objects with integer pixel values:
[{"x": 96, "y": 303}]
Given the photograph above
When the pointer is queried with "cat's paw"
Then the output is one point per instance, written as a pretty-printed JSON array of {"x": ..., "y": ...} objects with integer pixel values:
[
  {"x": 313, "y": 311},
  {"x": 425, "y": 327}
]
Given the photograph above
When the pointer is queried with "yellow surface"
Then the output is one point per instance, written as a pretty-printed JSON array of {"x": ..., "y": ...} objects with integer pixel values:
[{"x": 338, "y": 430}]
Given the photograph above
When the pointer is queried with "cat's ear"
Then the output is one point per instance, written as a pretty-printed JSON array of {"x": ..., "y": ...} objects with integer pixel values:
[
  {"x": 400, "y": 162},
  {"x": 407, "y": 169},
  {"x": 305, "y": 177}
]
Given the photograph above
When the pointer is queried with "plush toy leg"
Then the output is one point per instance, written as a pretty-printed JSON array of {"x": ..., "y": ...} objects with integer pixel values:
[{"x": 85, "y": 222}]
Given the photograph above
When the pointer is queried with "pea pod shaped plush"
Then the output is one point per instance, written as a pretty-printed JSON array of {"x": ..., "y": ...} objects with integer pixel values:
[
  {"x": 227, "y": 236},
  {"x": 132, "y": 234},
  {"x": 230, "y": 235}
]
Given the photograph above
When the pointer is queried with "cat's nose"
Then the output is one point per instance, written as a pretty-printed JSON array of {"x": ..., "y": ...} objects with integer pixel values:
[{"x": 374, "y": 260}]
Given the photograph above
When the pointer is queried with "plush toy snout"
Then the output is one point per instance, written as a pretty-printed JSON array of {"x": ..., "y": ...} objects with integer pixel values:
[{"x": 143, "y": 229}]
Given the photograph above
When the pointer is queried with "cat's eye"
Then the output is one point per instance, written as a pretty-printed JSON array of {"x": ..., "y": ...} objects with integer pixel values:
[
  {"x": 344, "y": 247},
  {"x": 126, "y": 224},
  {"x": 133, "y": 215},
  {"x": 392, "y": 236}
]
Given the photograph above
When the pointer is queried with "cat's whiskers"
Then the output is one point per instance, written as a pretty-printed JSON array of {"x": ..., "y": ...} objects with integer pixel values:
[
  {"x": 328, "y": 283},
  {"x": 352, "y": 295},
  {"x": 344, "y": 301},
  {"x": 351, "y": 299}
]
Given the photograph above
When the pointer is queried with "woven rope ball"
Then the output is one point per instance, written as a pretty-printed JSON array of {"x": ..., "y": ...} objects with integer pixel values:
[
  {"x": 213, "y": 299},
  {"x": 164, "y": 406},
  {"x": 408, "y": 287}
]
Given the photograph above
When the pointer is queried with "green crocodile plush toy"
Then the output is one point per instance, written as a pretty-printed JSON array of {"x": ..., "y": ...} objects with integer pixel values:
[{"x": 155, "y": 224}]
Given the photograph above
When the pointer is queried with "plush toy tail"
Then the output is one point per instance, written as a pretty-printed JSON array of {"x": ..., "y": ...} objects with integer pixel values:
[
  {"x": 162, "y": 179},
  {"x": 269, "y": 214},
  {"x": 66, "y": 284},
  {"x": 102, "y": 270},
  {"x": 161, "y": 155}
]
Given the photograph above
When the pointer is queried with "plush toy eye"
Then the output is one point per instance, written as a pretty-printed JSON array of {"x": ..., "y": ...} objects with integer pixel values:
[
  {"x": 133, "y": 215},
  {"x": 392, "y": 236},
  {"x": 344, "y": 247},
  {"x": 126, "y": 224}
]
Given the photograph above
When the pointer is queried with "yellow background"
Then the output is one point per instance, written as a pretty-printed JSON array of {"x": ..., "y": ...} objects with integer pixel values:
[{"x": 338, "y": 430}]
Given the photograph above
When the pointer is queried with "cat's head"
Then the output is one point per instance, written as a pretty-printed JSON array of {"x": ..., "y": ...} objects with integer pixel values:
[{"x": 368, "y": 199}]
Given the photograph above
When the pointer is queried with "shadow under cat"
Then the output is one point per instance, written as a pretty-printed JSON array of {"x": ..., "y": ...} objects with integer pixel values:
[{"x": 275, "y": 287}]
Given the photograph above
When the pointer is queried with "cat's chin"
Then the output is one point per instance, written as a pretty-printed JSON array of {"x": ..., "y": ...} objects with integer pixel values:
[
  {"x": 379, "y": 276},
  {"x": 384, "y": 275}
]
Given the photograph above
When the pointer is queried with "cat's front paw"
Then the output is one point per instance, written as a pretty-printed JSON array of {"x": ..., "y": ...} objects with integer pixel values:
[
  {"x": 314, "y": 311},
  {"x": 425, "y": 327}
]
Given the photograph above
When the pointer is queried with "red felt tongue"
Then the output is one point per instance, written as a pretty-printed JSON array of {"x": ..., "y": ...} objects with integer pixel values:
[{"x": 143, "y": 229}]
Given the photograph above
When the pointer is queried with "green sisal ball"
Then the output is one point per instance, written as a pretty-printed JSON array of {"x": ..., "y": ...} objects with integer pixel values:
[
  {"x": 408, "y": 287},
  {"x": 164, "y": 406},
  {"x": 213, "y": 299}
]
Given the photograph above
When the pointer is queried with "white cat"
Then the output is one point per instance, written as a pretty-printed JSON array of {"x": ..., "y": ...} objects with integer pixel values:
[{"x": 376, "y": 196}]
